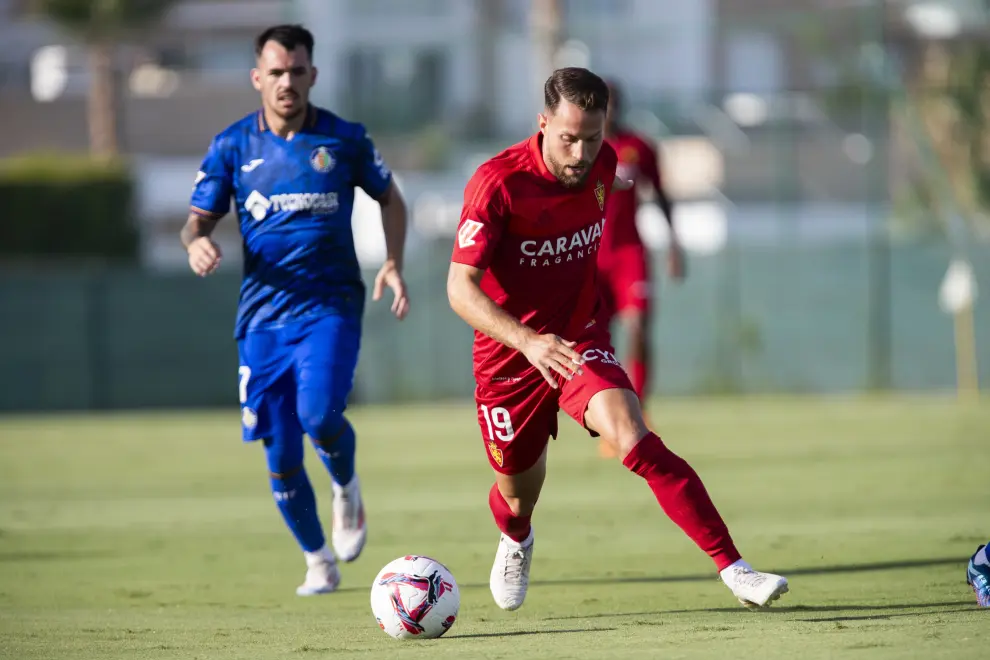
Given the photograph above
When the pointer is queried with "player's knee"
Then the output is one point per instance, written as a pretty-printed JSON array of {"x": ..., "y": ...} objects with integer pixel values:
[
  {"x": 616, "y": 416},
  {"x": 625, "y": 437},
  {"x": 322, "y": 423},
  {"x": 285, "y": 459}
]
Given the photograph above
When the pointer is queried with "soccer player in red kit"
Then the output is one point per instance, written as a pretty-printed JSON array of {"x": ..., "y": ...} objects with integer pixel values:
[
  {"x": 524, "y": 275},
  {"x": 623, "y": 259}
]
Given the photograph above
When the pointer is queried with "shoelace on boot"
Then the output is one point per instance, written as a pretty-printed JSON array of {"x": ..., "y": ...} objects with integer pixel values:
[{"x": 516, "y": 565}]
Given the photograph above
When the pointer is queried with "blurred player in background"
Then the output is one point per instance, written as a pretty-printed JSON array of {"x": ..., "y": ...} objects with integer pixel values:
[
  {"x": 978, "y": 575},
  {"x": 292, "y": 170},
  {"x": 624, "y": 260},
  {"x": 524, "y": 275}
]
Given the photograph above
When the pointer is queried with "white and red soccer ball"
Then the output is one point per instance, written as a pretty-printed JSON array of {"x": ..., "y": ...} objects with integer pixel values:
[{"x": 415, "y": 597}]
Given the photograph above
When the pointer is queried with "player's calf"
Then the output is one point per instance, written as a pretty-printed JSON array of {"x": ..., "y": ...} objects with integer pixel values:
[
  {"x": 513, "y": 497},
  {"x": 509, "y": 580},
  {"x": 683, "y": 497},
  {"x": 615, "y": 414},
  {"x": 334, "y": 440},
  {"x": 335, "y": 443},
  {"x": 296, "y": 501},
  {"x": 293, "y": 492},
  {"x": 512, "y": 500}
]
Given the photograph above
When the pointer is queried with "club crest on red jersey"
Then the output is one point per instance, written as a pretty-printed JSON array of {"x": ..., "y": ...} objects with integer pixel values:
[
  {"x": 495, "y": 452},
  {"x": 600, "y": 194}
]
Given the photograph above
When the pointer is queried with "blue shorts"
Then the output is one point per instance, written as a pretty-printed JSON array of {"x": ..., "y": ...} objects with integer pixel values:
[{"x": 297, "y": 378}]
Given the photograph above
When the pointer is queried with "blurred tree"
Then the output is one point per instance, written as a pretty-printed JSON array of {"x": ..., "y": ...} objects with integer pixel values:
[
  {"x": 102, "y": 24},
  {"x": 937, "y": 93},
  {"x": 488, "y": 17},
  {"x": 951, "y": 89},
  {"x": 546, "y": 21}
]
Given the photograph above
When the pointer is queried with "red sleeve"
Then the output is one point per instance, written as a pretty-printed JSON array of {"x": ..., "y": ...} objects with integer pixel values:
[
  {"x": 650, "y": 166},
  {"x": 483, "y": 217}
]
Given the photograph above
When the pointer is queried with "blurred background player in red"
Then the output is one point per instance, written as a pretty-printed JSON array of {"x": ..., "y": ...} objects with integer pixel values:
[{"x": 623, "y": 259}]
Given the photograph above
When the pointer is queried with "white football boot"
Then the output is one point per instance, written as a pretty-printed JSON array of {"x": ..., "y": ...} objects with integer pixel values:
[
  {"x": 322, "y": 575},
  {"x": 754, "y": 589},
  {"x": 510, "y": 572},
  {"x": 349, "y": 528}
]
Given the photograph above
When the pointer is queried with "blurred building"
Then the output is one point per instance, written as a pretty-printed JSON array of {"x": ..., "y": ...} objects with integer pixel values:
[
  {"x": 780, "y": 130},
  {"x": 753, "y": 99},
  {"x": 465, "y": 64}
]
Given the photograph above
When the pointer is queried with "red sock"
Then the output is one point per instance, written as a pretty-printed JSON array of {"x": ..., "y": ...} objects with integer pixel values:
[
  {"x": 638, "y": 373},
  {"x": 683, "y": 497},
  {"x": 513, "y": 526}
]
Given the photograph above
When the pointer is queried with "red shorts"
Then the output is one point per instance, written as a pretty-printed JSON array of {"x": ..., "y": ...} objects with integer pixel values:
[
  {"x": 518, "y": 418},
  {"x": 625, "y": 279}
]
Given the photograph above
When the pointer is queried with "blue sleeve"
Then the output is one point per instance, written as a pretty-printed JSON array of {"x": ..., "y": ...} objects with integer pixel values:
[
  {"x": 214, "y": 181},
  {"x": 373, "y": 175}
]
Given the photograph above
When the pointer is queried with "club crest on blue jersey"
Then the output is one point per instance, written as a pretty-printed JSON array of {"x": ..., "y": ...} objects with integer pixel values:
[
  {"x": 249, "y": 418},
  {"x": 322, "y": 160}
]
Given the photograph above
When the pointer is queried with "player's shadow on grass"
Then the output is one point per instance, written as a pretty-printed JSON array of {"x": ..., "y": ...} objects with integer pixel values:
[
  {"x": 787, "y": 572},
  {"x": 796, "y": 609},
  {"x": 519, "y": 633},
  {"x": 883, "y": 617},
  {"x": 61, "y": 555}
]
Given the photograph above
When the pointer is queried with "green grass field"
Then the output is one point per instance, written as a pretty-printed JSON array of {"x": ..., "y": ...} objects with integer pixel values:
[{"x": 154, "y": 536}]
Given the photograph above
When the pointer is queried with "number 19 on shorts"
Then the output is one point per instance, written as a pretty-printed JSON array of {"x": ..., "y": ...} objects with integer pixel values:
[{"x": 499, "y": 424}]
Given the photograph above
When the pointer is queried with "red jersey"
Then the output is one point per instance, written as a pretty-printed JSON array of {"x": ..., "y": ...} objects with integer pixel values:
[
  {"x": 637, "y": 163},
  {"x": 537, "y": 242}
]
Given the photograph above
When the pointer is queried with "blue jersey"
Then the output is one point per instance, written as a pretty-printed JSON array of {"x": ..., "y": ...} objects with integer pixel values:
[{"x": 293, "y": 200}]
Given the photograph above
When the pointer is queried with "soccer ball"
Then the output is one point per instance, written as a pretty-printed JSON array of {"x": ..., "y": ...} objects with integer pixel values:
[{"x": 415, "y": 597}]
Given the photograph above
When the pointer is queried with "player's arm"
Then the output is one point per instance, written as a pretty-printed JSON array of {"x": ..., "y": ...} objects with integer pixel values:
[
  {"x": 482, "y": 222},
  {"x": 545, "y": 352},
  {"x": 210, "y": 202},
  {"x": 375, "y": 178},
  {"x": 651, "y": 171},
  {"x": 395, "y": 217},
  {"x": 472, "y": 304},
  {"x": 197, "y": 226},
  {"x": 204, "y": 253}
]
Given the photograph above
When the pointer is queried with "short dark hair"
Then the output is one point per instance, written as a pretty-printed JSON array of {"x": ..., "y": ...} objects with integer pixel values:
[
  {"x": 578, "y": 86},
  {"x": 289, "y": 36}
]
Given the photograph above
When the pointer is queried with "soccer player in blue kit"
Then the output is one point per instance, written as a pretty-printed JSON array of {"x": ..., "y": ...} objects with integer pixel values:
[{"x": 292, "y": 170}]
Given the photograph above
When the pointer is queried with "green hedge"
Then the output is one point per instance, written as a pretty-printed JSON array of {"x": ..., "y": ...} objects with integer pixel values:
[{"x": 67, "y": 206}]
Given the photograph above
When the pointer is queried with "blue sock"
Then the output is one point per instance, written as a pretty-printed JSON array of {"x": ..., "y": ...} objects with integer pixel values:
[
  {"x": 295, "y": 499},
  {"x": 291, "y": 488},
  {"x": 338, "y": 454}
]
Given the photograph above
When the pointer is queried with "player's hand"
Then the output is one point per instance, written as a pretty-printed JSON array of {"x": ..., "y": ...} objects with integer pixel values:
[
  {"x": 389, "y": 276},
  {"x": 675, "y": 262},
  {"x": 204, "y": 256},
  {"x": 622, "y": 184},
  {"x": 551, "y": 353}
]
